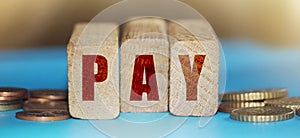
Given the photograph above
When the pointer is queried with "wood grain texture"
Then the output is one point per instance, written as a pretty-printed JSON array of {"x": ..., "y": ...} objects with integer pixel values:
[
  {"x": 144, "y": 66},
  {"x": 194, "y": 70},
  {"x": 93, "y": 66}
]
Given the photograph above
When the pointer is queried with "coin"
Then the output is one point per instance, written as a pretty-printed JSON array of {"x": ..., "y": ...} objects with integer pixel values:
[
  {"x": 262, "y": 114},
  {"x": 45, "y": 106},
  {"x": 51, "y": 94},
  {"x": 298, "y": 111},
  {"x": 288, "y": 102},
  {"x": 12, "y": 91},
  {"x": 11, "y": 102},
  {"x": 9, "y": 98},
  {"x": 41, "y": 100},
  {"x": 43, "y": 115},
  {"x": 229, "y": 106},
  {"x": 254, "y": 95},
  {"x": 6, "y": 107}
]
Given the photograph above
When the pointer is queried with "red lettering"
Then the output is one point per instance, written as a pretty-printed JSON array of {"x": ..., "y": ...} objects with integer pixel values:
[
  {"x": 191, "y": 75},
  {"x": 144, "y": 63},
  {"x": 88, "y": 76}
]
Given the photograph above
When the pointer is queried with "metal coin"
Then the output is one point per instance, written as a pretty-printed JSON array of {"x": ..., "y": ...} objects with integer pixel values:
[
  {"x": 10, "y": 98},
  {"x": 6, "y": 107},
  {"x": 262, "y": 114},
  {"x": 51, "y": 94},
  {"x": 298, "y": 111},
  {"x": 288, "y": 102},
  {"x": 229, "y": 106},
  {"x": 11, "y": 102},
  {"x": 43, "y": 115},
  {"x": 254, "y": 95},
  {"x": 40, "y": 100},
  {"x": 12, "y": 91},
  {"x": 45, "y": 106}
]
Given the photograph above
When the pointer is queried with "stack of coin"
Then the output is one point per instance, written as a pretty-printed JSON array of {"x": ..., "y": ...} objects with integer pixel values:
[
  {"x": 259, "y": 105},
  {"x": 12, "y": 98},
  {"x": 249, "y": 98},
  {"x": 45, "y": 105}
]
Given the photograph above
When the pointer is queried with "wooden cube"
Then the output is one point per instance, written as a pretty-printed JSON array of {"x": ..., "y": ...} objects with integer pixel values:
[
  {"x": 144, "y": 66},
  {"x": 93, "y": 68},
  {"x": 194, "y": 69}
]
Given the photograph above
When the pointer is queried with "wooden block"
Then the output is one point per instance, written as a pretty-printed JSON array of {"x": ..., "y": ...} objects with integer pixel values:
[
  {"x": 93, "y": 71},
  {"x": 194, "y": 70},
  {"x": 144, "y": 66}
]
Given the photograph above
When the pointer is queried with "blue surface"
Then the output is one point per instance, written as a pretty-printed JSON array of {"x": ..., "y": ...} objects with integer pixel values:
[{"x": 248, "y": 66}]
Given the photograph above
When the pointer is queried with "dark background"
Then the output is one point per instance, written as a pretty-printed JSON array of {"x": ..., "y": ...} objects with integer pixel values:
[{"x": 34, "y": 23}]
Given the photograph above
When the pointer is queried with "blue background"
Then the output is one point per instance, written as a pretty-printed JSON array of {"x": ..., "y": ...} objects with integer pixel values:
[{"x": 248, "y": 65}]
